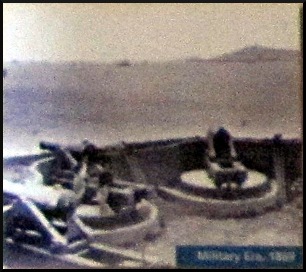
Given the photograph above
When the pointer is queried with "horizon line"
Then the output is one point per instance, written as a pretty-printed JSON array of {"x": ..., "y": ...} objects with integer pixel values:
[{"x": 145, "y": 61}]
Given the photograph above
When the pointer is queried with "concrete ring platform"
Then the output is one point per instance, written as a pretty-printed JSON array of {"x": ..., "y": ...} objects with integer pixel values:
[
  {"x": 199, "y": 183},
  {"x": 120, "y": 230},
  {"x": 185, "y": 202}
]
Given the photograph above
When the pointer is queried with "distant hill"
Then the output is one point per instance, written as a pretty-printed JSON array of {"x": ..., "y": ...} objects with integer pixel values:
[{"x": 260, "y": 53}]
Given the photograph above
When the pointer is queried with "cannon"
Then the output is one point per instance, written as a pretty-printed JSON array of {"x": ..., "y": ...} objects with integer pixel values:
[
  {"x": 53, "y": 147},
  {"x": 54, "y": 221},
  {"x": 49, "y": 146},
  {"x": 222, "y": 162},
  {"x": 47, "y": 198}
]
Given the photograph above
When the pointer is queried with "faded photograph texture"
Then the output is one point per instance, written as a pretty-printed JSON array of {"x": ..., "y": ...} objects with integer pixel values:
[{"x": 130, "y": 129}]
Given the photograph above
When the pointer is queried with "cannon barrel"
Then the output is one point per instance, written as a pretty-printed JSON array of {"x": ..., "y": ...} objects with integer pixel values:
[
  {"x": 49, "y": 146},
  {"x": 45, "y": 197},
  {"x": 85, "y": 147}
]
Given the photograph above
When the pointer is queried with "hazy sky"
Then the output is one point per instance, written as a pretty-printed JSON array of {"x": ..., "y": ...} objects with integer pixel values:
[{"x": 153, "y": 32}]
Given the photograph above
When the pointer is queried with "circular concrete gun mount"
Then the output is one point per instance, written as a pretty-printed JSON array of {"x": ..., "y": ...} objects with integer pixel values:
[
  {"x": 197, "y": 194},
  {"x": 127, "y": 227},
  {"x": 199, "y": 182}
]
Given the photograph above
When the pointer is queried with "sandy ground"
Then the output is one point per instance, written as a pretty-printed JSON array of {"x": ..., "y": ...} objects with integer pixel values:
[{"x": 275, "y": 228}]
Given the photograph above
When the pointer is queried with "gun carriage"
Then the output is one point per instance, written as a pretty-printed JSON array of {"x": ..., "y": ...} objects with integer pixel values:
[{"x": 86, "y": 205}]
